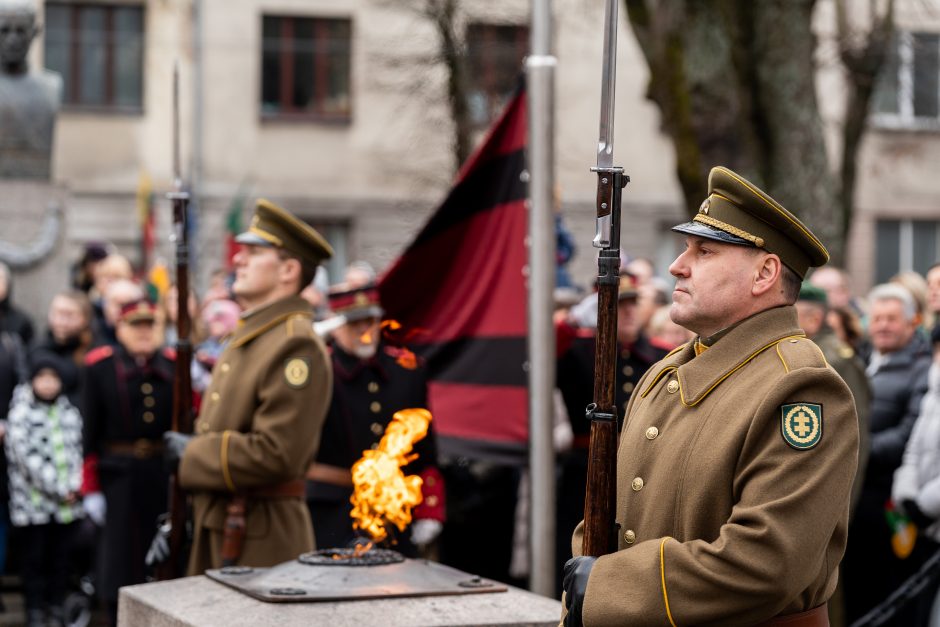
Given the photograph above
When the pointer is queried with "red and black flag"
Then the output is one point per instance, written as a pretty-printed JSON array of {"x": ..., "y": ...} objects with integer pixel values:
[{"x": 459, "y": 291}]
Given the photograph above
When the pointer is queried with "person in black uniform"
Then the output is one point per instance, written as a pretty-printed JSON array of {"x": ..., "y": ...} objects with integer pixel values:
[
  {"x": 575, "y": 379},
  {"x": 127, "y": 404},
  {"x": 371, "y": 381}
]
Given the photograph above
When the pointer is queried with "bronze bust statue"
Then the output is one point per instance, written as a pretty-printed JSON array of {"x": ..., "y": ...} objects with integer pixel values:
[{"x": 29, "y": 101}]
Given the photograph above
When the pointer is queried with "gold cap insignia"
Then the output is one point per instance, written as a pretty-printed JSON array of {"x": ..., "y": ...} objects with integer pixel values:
[
  {"x": 703, "y": 208},
  {"x": 362, "y": 299},
  {"x": 297, "y": 372}
]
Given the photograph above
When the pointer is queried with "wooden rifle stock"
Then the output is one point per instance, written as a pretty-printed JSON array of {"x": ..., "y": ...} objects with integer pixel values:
[{"x": 600, "y": 533}]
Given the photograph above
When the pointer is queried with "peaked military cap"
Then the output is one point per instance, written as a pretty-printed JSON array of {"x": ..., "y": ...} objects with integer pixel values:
[
  {"x": 357, "y": 303},
  {"x": 138, "y": 311},
  {"x": 274, "y": 226},
  {"x": 811, "y": 293},
  {"x": 628, "y": 287},
  {"x": 738, "y": 212}
]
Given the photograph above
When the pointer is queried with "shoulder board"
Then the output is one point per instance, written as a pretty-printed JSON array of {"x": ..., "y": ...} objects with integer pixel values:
[
  {"x": 97, "y": 354},
  {"x": 800, "y": 352},
  {"x": 169, "y": 352},
  {"x": 300, "y": 325}
]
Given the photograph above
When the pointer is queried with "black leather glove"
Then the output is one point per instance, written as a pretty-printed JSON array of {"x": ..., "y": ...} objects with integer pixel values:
[
  {"x": 916, "y": 514},
  {"x": 174, "y": 444},
  {"x": 159, "y": 549},
  {"x": 577, "y": 572}
]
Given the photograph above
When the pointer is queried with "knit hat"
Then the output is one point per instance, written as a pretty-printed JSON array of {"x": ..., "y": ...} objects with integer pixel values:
[{"x": 40, "y": 358}]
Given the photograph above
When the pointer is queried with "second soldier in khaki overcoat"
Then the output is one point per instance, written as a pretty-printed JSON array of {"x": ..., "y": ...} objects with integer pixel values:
[
  {"x": 262, "y": 414},
  {"x": 738, "y": 451}
]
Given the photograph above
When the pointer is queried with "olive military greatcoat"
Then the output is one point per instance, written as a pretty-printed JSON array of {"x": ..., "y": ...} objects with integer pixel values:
[
  {"x": 258, "y": 427},
  {"x": 734, "y": 473}
]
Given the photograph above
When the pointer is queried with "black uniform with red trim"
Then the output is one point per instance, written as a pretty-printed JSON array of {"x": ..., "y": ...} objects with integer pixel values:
[
  {"x": 127, "y": 404},
  {"x": 575, "y": 380},
  {"x": 366, "y": 394}
]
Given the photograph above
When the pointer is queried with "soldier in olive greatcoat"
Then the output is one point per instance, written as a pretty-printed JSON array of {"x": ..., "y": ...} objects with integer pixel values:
[
  {"x": 738, "y": 450},
  {"x": 260, "y": 419}
]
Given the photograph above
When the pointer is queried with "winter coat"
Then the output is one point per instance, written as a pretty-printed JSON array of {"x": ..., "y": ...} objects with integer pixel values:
[
  {"x": 44, "y": 451},
  {"x": 898, "y": 387},
  {"x": 918, "y": 478}
]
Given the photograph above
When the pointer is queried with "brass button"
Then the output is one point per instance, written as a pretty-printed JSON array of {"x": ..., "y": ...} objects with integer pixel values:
[
  {"x": 377, "y": 429},
  {"x": 627, "y": 387},
  {"x": 793, "y": 341},
  {"x": 225, "y": 367},
  {"x": 627, "y": 371},
  {"x": 148, "y": 416},
  {"x": 146, "y": 388},
  {"x": 203, "y": 427},
  {"x": 432, "y": 501},
  {"x": 625, "y": 354},
  {"x": 375, "y": 407},
  {"x": 672, "y": 387},
  {"x": 430, "y": 482},
  {"x": 652, "y": 433},
  {"x": 216, "y": 396},
  {"x": 149, "y": 401},
  {"x": 629, "y": 536},
  {"x": 637, "y": 484},
  {"x": 373, "y": 387}
]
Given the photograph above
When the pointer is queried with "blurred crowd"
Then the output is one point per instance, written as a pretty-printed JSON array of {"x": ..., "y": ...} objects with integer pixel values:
[{"x": 84, "y": 481}]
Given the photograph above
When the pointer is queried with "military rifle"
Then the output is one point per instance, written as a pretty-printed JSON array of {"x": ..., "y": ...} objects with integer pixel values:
[
  {"x": 174, "y": 566},
  {"x": 600, "y": 533}
]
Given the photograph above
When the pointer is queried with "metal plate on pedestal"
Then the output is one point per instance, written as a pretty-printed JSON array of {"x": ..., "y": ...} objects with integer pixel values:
[{"x": 294, "y": 582}]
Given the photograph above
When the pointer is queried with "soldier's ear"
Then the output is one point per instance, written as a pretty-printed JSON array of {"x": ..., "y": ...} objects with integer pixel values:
[
  {"x": 291, "y": 270},
  {"x": 767, "y": 275}
]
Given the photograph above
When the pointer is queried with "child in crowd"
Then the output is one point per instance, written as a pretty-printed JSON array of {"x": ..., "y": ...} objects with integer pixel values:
[{"x": 44, "y": 450}]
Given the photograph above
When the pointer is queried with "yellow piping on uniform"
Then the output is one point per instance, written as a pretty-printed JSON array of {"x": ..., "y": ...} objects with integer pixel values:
[
  {"x": 785, "y": 366},
  {"x": 268, "y": 237},
  {"x": 662, "y": 576},
  {"x": 757, "y": 193},
  {"x": 267, "y": 327},
  {"x": 735, "y": 369},
  {"x": 657, "y": 378},
  {"x": 225, "y": 472}
]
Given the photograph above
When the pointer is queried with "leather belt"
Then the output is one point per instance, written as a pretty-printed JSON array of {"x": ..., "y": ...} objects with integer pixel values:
[
  {"x": 334, "y": 475},
  {"x": 816, "y": 617},
  {"x": 289, "y": 489},
  {"x": 140, "y": 449}
]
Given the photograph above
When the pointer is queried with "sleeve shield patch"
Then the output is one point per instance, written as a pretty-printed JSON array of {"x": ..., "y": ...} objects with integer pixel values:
[
  {"x": 801, "y": 425},
  {"x": 296, "y": 372}
]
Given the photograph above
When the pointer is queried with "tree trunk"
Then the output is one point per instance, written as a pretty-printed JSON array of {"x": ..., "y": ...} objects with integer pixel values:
[{"x": 735, "y": 83}]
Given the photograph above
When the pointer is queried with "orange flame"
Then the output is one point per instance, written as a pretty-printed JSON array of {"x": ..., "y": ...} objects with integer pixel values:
[
  {"x": 366, "y": 338},
  {"x": 406, "y": 359},
  {"x": 382, "y": 494}
]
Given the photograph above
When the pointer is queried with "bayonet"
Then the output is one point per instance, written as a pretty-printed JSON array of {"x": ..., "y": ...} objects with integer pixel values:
[{"x": 600, "y": 532}]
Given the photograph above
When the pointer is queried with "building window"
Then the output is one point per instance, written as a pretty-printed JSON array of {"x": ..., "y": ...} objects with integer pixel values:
[
  {"x": 908, "y": 90},
  {"x": 494, "y": 62},
  {"x": 904, "y": 245},
  {"x": 305, "y": 68},
  {"x": 99, "y": 51}
]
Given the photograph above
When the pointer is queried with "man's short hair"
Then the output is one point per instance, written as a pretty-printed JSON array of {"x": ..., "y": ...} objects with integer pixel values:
[
  {"x": 307, "y": 270},
  {"x": 894, "y": 291},
  {"x": 791, "y": 283}
]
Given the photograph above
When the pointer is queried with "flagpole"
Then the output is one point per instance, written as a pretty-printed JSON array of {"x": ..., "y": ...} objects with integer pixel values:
[{"x": 540, "y": 74}]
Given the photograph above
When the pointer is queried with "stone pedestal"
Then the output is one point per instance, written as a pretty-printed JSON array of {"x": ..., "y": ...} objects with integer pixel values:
[{"x": 201, "y": 602}]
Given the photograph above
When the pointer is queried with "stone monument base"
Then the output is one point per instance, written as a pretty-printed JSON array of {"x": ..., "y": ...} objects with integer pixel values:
[{"x": 201, "y": 602}]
